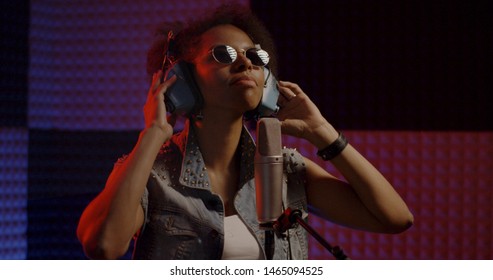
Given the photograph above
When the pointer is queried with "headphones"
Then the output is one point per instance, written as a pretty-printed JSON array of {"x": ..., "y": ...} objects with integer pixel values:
[{"x": 184, "y": 96}]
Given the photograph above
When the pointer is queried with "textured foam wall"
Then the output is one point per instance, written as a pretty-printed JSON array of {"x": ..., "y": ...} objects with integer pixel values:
[
  {"x": 13, "y": 193},
  {"x": 446, "y": 179},
  {"x": 67, "y": 118},
  {"x": 87, "y": 67}
]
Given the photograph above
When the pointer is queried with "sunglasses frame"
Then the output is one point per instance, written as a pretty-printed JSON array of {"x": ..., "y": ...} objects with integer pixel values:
[{"x": 242, "y": 51}]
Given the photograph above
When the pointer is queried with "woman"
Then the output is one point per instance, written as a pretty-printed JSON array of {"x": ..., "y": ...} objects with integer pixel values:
[{"x": 191, "y": 195}]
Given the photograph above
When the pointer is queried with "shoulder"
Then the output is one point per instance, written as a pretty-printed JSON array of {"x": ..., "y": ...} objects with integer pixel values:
[
  {"x": 173, "y": 147},
  {"x": 293, "y": 160}
]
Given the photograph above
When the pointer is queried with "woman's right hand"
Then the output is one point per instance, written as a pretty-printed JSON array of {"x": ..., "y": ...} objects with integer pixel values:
[{"x": 155, "y": 109}]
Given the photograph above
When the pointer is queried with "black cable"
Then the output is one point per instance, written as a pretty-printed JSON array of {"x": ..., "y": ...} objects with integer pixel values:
[{"x": 269, "y": 244}]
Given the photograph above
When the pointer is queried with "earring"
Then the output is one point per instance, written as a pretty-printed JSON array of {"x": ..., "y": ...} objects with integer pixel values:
[{"x": 199, "y": 116}]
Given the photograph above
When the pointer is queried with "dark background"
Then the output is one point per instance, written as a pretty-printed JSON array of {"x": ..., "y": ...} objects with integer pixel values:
[
  {"x": 389, "y": 65},
  {"x": 369, "y": 65},
  {"x": 386, "y": 65}
]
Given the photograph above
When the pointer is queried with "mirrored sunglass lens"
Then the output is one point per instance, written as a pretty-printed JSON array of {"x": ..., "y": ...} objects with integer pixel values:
[
  {"x": 224, "y": 54},
  {"x": 258, "y": 57}
]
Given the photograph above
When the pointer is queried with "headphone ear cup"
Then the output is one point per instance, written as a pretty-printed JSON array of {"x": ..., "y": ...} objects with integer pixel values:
[
  {"x": 184, "y": 96},
  {"x": 268, "y": 104}
]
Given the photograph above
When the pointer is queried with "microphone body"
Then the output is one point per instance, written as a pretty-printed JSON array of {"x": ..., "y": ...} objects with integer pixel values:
[{"x": 268, "y": 164}]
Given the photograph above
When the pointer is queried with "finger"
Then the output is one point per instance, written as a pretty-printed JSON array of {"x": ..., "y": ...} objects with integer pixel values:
[
  {"x": 288, "y": 84},
  {"x": 170, "y": 81},
  {"x": 286, "y": 95},
  {"x": 156, "y": 80},
  {"x": 294, "y": 88},
  {"x": 162, "y": 88}
]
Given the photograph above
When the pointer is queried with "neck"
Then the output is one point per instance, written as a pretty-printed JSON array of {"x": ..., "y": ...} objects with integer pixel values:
[{"x": 218, "y": 139}]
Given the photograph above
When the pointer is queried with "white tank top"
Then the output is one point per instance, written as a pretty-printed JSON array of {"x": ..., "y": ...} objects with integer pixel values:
[{"x": 239, "y": 242}]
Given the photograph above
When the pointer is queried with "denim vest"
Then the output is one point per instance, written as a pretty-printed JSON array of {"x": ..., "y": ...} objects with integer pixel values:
[{"x": 185, "y": 220}]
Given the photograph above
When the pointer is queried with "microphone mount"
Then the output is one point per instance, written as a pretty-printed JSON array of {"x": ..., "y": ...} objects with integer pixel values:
[{"x": 288, "y": 220}]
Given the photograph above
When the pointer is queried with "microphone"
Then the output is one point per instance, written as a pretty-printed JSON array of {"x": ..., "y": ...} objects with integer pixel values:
[{"x": 268, "y": 164}]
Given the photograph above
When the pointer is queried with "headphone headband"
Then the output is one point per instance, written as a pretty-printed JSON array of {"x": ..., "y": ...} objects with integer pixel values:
[{"x": 168, "y": 53}]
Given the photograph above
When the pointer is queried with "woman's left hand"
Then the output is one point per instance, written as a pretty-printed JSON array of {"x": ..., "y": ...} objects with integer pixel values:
[{"x": 300, "y": 117}]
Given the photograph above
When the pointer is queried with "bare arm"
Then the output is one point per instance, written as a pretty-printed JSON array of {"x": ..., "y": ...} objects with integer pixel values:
[
  {"x": 367, "y": 200},
  {"x": 109, "y": 222}
]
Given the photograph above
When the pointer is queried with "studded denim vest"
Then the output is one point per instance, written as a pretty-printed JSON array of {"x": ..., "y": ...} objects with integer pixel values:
[{"x": 185, "y": 220}]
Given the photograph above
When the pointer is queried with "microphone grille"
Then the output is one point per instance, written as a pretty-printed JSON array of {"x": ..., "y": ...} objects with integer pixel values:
[{"x": 269, "y": 137}]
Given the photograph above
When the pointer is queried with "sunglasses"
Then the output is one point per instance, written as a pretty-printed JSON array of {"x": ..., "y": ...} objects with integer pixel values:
[{"x": 227, "y": 55}]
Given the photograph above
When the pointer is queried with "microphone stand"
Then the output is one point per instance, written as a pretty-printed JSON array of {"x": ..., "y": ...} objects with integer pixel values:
[
  {"x": 269, "y": 244},
  {"x": 290, "y": 217}
]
